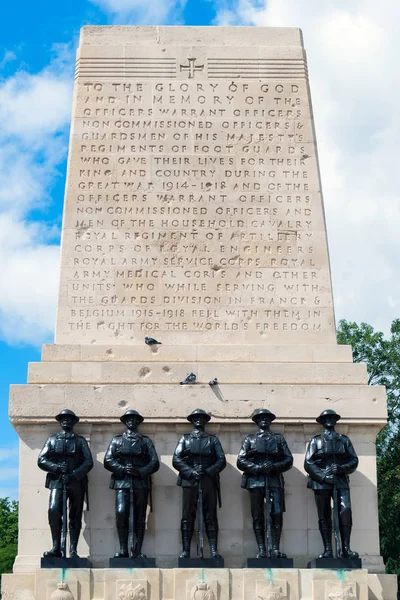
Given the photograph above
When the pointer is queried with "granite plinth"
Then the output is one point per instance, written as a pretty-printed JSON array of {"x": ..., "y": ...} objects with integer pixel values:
[
  {"x": 132, "y": 563},
  {"x": 201, "y": 563},
  {"x": 270, "y": 563},
  {"x": 54, "y": 562},
  {"x": 335, "y": 563}
]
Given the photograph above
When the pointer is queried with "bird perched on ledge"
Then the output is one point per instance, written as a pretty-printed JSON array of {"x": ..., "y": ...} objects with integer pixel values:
[
  {"x": 213, "y": 381},
  {"x": 191, "y": 378},
  {"x": 151, "y": 341}
]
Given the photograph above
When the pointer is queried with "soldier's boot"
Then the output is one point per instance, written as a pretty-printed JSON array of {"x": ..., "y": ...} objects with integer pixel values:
[
  {"x": 326, "y": 534},
  {"x": 123, "y": 543},
  {"x": 73, "y": 542},
  {"x": 345, "y": 532},
  {"x": 139, "y": 543},
  {"x": 55, "y": 551},
  {"x": 259, "y": 532},
  {"x": 276, "y": 531},
  {"x": 187, "y": 529},
  {"x": 212, "y": 534}
]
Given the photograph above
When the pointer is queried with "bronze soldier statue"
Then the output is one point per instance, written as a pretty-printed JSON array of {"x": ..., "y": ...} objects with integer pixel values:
[
  {"x": 330, "y": 459},
  {"x": 199, "y": 458},
  {"x": 132, "y": 459},
  {"x": 263, "y": 457},
  {"x": 67, "y": 459}
]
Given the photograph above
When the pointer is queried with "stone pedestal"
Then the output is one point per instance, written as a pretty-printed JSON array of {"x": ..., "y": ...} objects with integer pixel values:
[
  {"x": 132, "y": 563},
  {"x": 270, "y": 563},
  {"x": 65, "y": 563},
  {"x": 335, "y": 563}
]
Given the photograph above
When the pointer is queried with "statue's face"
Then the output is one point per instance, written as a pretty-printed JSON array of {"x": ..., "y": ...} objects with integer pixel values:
[
  {"x": 67, "y": 421},
  {"x": 264, "y": 422},
  {"x": 132, "y": 422},
  {"x": 329, "y": 422},
  {"x": 199, "y": 420}
]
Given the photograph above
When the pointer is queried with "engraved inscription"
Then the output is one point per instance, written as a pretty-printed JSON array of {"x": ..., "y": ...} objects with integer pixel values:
[{"x": 194, "y": 207}]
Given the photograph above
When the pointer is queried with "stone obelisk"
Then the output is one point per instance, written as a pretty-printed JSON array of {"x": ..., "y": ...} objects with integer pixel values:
[{"x": 194, "y": 215}]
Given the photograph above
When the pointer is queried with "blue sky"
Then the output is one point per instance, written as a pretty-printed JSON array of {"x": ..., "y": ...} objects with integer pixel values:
[{"x": 352, "y": 52}]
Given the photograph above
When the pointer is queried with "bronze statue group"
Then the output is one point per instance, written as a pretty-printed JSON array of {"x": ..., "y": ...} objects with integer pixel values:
[{"x": 199, "y": 459}]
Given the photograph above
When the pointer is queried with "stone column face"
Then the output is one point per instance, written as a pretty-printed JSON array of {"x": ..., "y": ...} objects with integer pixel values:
[
  {"x": 193, "y": 208},
  {"x": 193, "y": 215}
]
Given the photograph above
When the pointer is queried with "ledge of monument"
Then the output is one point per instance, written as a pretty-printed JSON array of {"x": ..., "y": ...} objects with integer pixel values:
[
  {"x": 170, "y": 404},
  {"x": 289, "y": 353},
  {"x": 190, "y": 36},
  {"x": 167, "y": 372}
]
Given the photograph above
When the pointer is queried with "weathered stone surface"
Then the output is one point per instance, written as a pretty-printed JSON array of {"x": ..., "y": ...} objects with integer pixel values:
[
  {"x": 229, "y": 403},
  {"x": 222, "y": 353},
  {"x": 193, "y": 208},
  {"x": 202, "y": 584},
  {"x": 174, "y": 372}
]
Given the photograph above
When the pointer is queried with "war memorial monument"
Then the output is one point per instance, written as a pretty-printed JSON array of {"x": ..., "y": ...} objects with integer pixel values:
[{"x": 194, "y": 218}]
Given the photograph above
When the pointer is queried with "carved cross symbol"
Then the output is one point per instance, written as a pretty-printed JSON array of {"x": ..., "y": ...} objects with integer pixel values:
[{"x": 192, "y": 68}]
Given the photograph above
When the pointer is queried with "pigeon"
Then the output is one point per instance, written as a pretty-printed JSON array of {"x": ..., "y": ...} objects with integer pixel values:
[
  {"x": 191, "y": 378},
  {"x": 150, "y": 341},
  {"x": 213, "y": 381}
]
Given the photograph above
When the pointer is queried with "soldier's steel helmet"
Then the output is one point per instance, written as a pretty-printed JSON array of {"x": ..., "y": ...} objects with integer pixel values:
[
  {"x": 327, "y": 413},
  {"x": 261, "y": 412},
  {"x": 131, "y": 413},
  {"x": 67, "y": 413},
  {"x": 197, "y": 412}
]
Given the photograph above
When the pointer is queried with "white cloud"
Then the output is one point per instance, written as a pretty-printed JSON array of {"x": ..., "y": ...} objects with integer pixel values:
[
  {"x": 352, "y": 50},
  {"x": 35, "y": 112},
  {"x": 7, "y": 57},
  {"x": 33, "y": 106},
  {"x": 135, "y": 12}
]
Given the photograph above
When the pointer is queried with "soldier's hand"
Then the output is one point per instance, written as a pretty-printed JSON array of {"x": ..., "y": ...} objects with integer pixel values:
[
  {"x": 332, "y": 479},
  {"x": 198, "y": 474},
  {"x": 337, "y": 469},
  {"x": 268, "y": 466},
  {"x": 63, "y": 468},
  {"x": 130, "y": 470}
]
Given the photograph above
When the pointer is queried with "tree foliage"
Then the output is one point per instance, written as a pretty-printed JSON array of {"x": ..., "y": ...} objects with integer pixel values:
[
  {"x": 8, "y": 533},
  {"x": 382, "y": 357}
]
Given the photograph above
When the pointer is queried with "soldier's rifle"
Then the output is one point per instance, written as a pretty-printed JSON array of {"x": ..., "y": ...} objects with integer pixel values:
[
  {"x": 268, "y": 512},
  {"x": 200, "y": 519},
  {"x": 336, "y": 509},
  {"x": 132, "y": 539},
  {"x": 64, "y": 507}
]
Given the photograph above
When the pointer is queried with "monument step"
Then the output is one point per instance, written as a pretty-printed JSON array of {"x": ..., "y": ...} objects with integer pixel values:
[
  {"x": 175, "y": 372},
  {"x": 229, "y": 403},
  {"x": 202, "y": 352}
]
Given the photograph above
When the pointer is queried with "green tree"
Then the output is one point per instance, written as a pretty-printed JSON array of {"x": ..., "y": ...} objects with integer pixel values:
[
  {"x": 382, "y": 357},
  {"x": 8, "y": 533}
]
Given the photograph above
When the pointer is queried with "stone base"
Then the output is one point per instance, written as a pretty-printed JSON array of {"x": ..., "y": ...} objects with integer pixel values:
[
  {"x": 335, "y": 563},
  {"x": 132, "y": 563},
  {"x": 270, "y": 563},
  {"x": 53, "y": 562},
  {"x": 186, "y": 584},
  {"x": 201, "y": 563}
]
